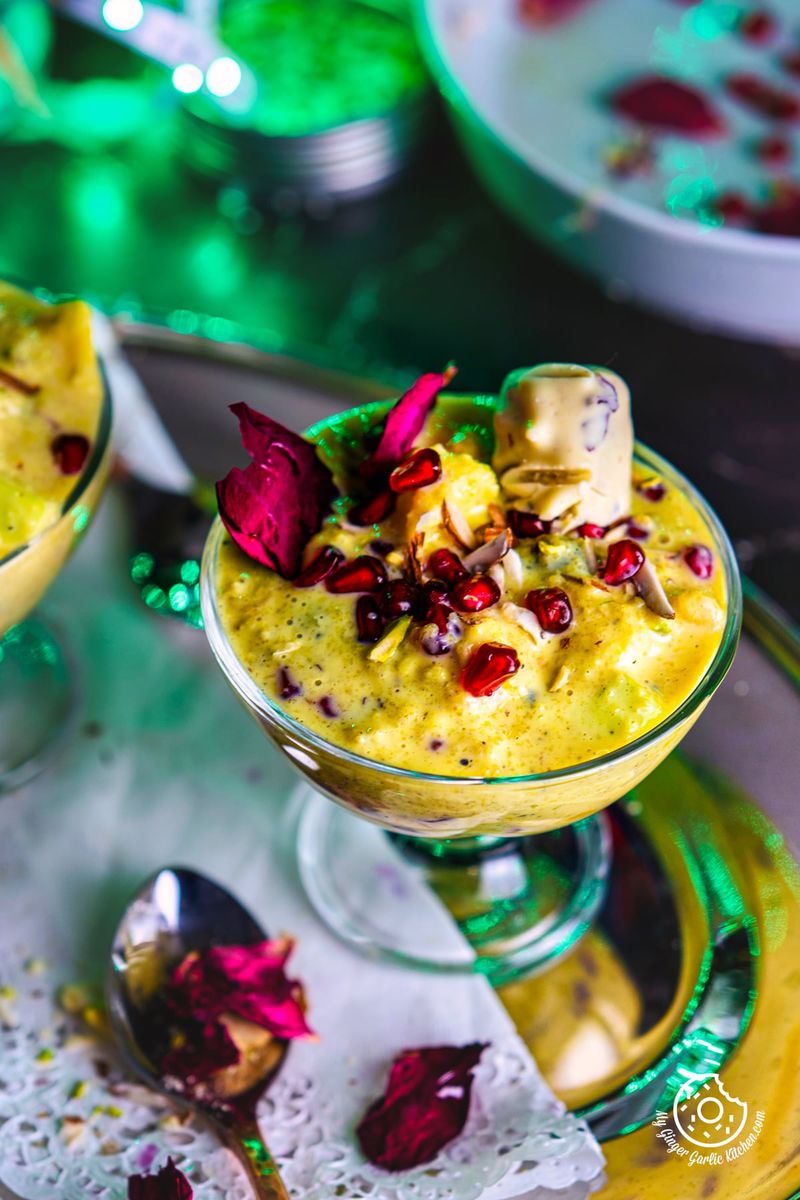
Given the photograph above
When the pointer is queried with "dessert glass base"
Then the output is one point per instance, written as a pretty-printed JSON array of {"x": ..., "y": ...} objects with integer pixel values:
[
  {"x": 37, "y": 699},
  {"x": 519, "y": 903}
]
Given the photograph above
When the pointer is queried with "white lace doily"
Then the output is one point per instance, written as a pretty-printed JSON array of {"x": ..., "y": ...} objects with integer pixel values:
[{"x": 167, "y": 769}]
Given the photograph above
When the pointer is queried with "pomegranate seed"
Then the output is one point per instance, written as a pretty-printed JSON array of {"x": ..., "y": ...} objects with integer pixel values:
[
  {"x": 763, "y": 98},
  {"x": 363, "y": 574},
  {"x": 489, "y": 665},
  {"x": 526, "y": 524},
  {"x": 475, "y": 593},
  {"x": 70, "y": 450},
  {"x": 774, "y": 151},
  {"x": 758, "y": 26},
  {"x": 320, "y": 566},
  {"x": 397, "y": 599},
  {"x": 733, "y": 207},
  {"x": 623, "y": 561},
  {"x": 699, "y": 560},
  {"x": 791, "y": 62},
  {"x": 439, "y": 639},
  {"x": 417, "y": 471},
  {"x": 369, "y": 621},
  {"x": 372, "y": 511},
  {"x": 447, "y": 566},
  {"x": 434, "y": 605},
  {"x": 652, "y": 491},
  {"x": 637, "y": 531},
  {"x": 663, "y": 103},
  {"x": 288, "y": 687},
  {"x": 381, "y": 548},
  {"x": 781, "y": 216},
  {"x": 328, "y": 707},
  {"x": 551, "y": 607},
  {"x": 587, "y": 529}
]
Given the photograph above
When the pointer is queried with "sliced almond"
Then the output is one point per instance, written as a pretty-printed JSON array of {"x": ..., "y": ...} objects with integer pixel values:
[
  {"x": 512, "y": 566},
  {"x": 522, "y": 617},
  {"x": 560, "y": 678},
  {"x": 431, "y": 517},
  {"x": 649, "y": 587},
  {"x": 484, "y": 557},
  {"x": 497, "y": 573},
  {"x": 591, "y": 557},
  {"x": 523, "y": 479},
  {"x": 413, "y": 562},
  {"x": 497, "y": 515},
  {"x": 457, "y": 525}
]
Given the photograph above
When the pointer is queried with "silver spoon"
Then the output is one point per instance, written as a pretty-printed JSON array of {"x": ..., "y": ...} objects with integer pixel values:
[{"x": 175, "y": 912}]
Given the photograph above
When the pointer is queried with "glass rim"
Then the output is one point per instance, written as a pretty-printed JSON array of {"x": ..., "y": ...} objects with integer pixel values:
[
  {"x": 245, "y": 686},
  {"x": 97, "y": 454}
]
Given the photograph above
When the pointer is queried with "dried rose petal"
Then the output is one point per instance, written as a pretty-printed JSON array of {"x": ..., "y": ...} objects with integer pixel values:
[
  {"x": 206, "y": 1047},
  {"x": 168, "y": 1184},
  {"x": 623, "y": 561},
  {"x": 733, "y": 207},
  {"x": 419, "y": 470},
  {"x": 328, "y": 707},
  {"x": 405, "y": 420},
  {"x": 762, "y": 97},
  {"x": 668, "y": 104},
  {"x": 248, "y": 981},
  {"x": 319, "y": 567},
  {"x": 548, "y": 12},
  {"x": 70, "y": 450},
  {"x": 424, "y": 1107},
  {"x": 278, "y": 502},
  {"x": 781, "y": 216},
  {"x": 490, "y": 665},
  {"x": 288, "y": 687},
  {"x": 758, "y": 26}
]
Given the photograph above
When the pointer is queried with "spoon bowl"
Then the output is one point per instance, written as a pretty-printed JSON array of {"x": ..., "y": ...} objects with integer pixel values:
[{"x": 177, "y": 912}]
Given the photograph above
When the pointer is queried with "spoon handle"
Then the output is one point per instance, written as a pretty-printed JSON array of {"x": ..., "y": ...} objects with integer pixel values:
[{"x": 243, "y": 1137}]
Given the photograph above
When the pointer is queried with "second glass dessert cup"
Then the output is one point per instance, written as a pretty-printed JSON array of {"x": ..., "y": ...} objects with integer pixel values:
[
  {"x": 521, "y": 862},
  {"x": 37, "y": 696}
]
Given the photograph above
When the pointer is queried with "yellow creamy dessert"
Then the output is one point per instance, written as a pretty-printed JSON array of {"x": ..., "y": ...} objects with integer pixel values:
[
  {"x": 531, "y": 600},
  {"x": 51, "y": 400}
]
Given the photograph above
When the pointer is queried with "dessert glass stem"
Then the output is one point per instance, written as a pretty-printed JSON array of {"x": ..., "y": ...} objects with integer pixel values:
[
  {"x": 37, "y": 700},
  {"x": 519, "y": 903}
]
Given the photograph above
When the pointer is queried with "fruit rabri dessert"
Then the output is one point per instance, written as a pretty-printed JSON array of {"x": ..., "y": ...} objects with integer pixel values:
[
  {"x": 51, "y": 405},
  {"x": 472, "y": 588}
]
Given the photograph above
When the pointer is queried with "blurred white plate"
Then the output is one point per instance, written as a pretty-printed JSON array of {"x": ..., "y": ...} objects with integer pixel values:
[{"x": 526, "y": 104}]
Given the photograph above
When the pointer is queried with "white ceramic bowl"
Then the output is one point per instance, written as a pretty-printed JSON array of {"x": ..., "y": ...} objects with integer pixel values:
[{"x": 525, "y": 105}]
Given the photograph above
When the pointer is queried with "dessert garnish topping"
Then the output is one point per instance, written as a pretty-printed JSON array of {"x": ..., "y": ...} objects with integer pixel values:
[
  {"x": 699, "y": 560},
  {"x": 439, "y": 637},
  {"x": 457, "y": 525},
  {"x": 590, "y": 530},
  {"x": 363, "y": 574},
  {"x": 524, "y": 524},
  {"x": 372, "y": 511},
  {"x": 369, "y": 621},
  {"x": 659, "y": 102},
  {"x": 167, "y": 1184},
  {"x": 652, "y": 490},
  {"x": 70, "y": 451},
  {"x": 758, "y": 26},
  {"x": 277, "y": 503},
  {"x": 622, "y": 562},
  {"x": 492, "y": 552},
  {"x": 551, "y": 607},
  {"x": 446, "y": 565},
  {"x": 419, "y": 470},
  {"x": 391, "y": 641},
  {"x": 288, "y": 687},
  {"x": 397, "y": 599},
  {"x": 474, "y": 593},
  {"x": 405, "y": 421},
  {"x": 319, "y": 567},
  {"x": 650, "y": 588},
  {"x": 425, "y": 1106},
  {"x": 487, "y": 667},
  {"x": 763, "y": 97}
]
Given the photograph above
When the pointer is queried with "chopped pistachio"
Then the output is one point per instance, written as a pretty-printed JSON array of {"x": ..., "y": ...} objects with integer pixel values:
[{"x": 391, "y": 641}]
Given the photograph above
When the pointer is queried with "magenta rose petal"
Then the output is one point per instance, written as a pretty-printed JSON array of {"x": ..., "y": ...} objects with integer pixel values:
[
  {"x": 167, "y": 1184},
  {"x": 424, "y": 1107},
  {"x": 208, "y": 1048},
  {"x": 405, "y": 420},
  {"x": 278, "y": 502}
]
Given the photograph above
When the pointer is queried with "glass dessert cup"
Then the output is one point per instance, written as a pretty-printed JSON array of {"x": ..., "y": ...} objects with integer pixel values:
[
  {"x": 37, "y": 695},
  {"x": 521, "y": 862}
]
